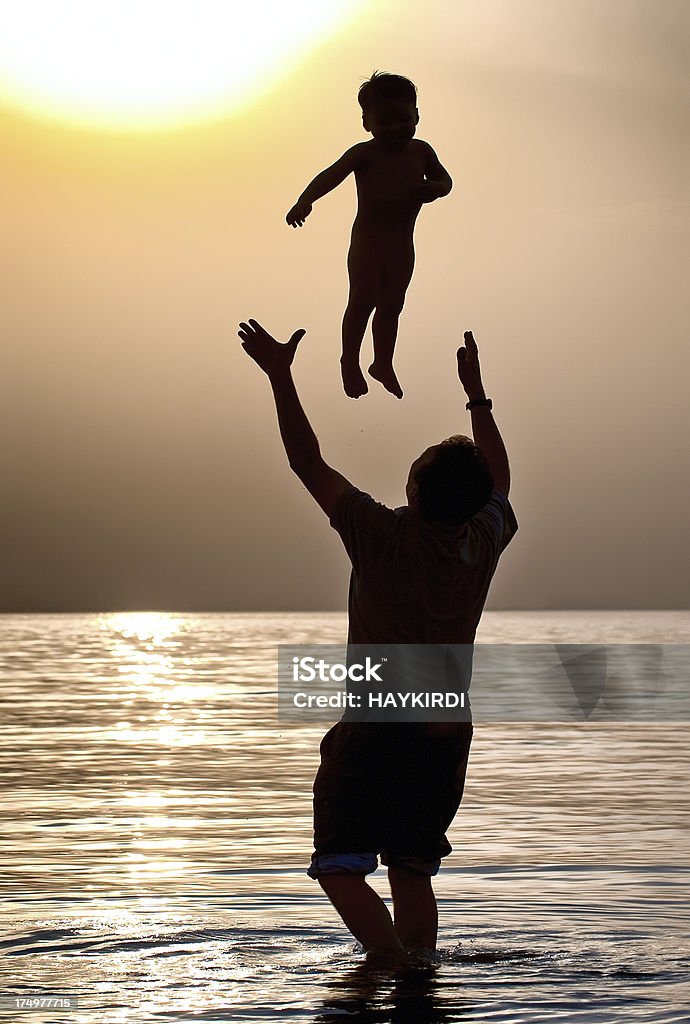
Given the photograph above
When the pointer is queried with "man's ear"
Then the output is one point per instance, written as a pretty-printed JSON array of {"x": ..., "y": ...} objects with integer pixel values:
[
  {"x": 365, "y": 122},
  {"x": 416, "y": 115}
]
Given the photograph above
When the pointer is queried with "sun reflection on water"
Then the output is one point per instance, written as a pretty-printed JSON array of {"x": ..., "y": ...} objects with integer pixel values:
[
  {"x": 146, "y": 650},
  {"x": 156, "y": 627},
  {"x": 147, "y": 799}
]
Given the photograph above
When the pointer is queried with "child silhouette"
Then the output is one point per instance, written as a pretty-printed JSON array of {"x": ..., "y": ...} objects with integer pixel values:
[{"x": 395, "y": 174}]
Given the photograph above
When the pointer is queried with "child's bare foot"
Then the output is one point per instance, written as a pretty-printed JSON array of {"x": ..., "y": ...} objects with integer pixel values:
[
  {"x": 386, "y": 375},
  {"x": 353, "y": 379}
]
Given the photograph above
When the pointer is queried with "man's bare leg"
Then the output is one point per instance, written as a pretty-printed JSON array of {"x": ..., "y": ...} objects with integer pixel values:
[
  {"x": 363, "y": 912},
  {"x": 416, "y": 913}
]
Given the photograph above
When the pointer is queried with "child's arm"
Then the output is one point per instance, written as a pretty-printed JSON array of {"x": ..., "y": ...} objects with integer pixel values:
[
  {"x": 324, "y": 183},
  {"x": 438, "y": 181}
]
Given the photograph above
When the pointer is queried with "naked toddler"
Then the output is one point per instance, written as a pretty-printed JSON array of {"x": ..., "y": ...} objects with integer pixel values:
[{"x": 395, "y": 174}]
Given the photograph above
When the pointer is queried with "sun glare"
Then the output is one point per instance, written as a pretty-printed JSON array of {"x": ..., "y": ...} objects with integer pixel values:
[{"x": 153, "y": 64}]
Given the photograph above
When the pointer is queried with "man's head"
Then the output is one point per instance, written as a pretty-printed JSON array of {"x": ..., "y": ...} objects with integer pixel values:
[
  {"x": 389, "y": 108},
  {"x": 449, "y": 482}
]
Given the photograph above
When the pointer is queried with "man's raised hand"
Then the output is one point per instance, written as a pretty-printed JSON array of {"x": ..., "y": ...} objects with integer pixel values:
[
  {"x": 469, "y": 371},
  {"x": 271, "y": 355}
]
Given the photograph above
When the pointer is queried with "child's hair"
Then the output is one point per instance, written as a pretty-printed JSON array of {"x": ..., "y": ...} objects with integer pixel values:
[{"x": 384, "y": 86}]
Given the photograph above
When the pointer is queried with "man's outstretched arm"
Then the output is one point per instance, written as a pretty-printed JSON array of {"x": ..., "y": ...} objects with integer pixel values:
[
  {"x": 486, "y": 434},
  {"x": 299, "y": 440}
]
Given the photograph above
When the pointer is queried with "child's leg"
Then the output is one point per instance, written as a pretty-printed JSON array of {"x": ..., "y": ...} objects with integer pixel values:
[
  {"x": 390, "y": 301},
  {"x": 416, "y": 913},
  {"x": 361, "y": 271}
]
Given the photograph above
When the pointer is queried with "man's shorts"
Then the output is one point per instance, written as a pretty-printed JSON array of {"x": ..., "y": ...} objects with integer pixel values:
[{"x": 388, "y": 788}]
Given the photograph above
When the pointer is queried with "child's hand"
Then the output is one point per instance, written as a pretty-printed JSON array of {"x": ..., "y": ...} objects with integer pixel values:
[
  {"x": 269, "y": 354},
  {"x": 427, "y": 192},
  {"x": 299, "y": 213}
]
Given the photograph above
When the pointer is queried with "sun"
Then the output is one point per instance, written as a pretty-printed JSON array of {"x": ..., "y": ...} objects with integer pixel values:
[{"x": 143, "y": 65}]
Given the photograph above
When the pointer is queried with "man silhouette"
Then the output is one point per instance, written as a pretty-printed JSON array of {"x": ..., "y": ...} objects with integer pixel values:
[{"x": 420, "y": 575}]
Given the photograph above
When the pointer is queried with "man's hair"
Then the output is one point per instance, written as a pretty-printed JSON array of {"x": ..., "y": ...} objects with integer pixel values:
[
  {"x": 455, "y": 484},
  {"x": 384, "y": 86}
]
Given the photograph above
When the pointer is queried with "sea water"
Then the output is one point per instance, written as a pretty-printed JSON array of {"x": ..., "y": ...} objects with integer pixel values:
[{"x": 156, "y": 827}]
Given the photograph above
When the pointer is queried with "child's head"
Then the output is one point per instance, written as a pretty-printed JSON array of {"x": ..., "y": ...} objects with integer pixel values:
[
  {"x": 383, "y": 86},
  {"x": 389, "y": 108}
]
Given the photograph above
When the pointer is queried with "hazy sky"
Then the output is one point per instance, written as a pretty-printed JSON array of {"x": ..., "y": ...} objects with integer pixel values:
[{"x": 141, "y": 462}]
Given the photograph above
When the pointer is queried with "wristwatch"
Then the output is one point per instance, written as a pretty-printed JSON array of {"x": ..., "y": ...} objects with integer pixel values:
[{"x": 475, "y": 402}]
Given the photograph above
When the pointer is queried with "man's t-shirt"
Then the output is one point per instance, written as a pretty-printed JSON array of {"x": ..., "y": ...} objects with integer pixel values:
[{"x": 415, "y": 582}]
